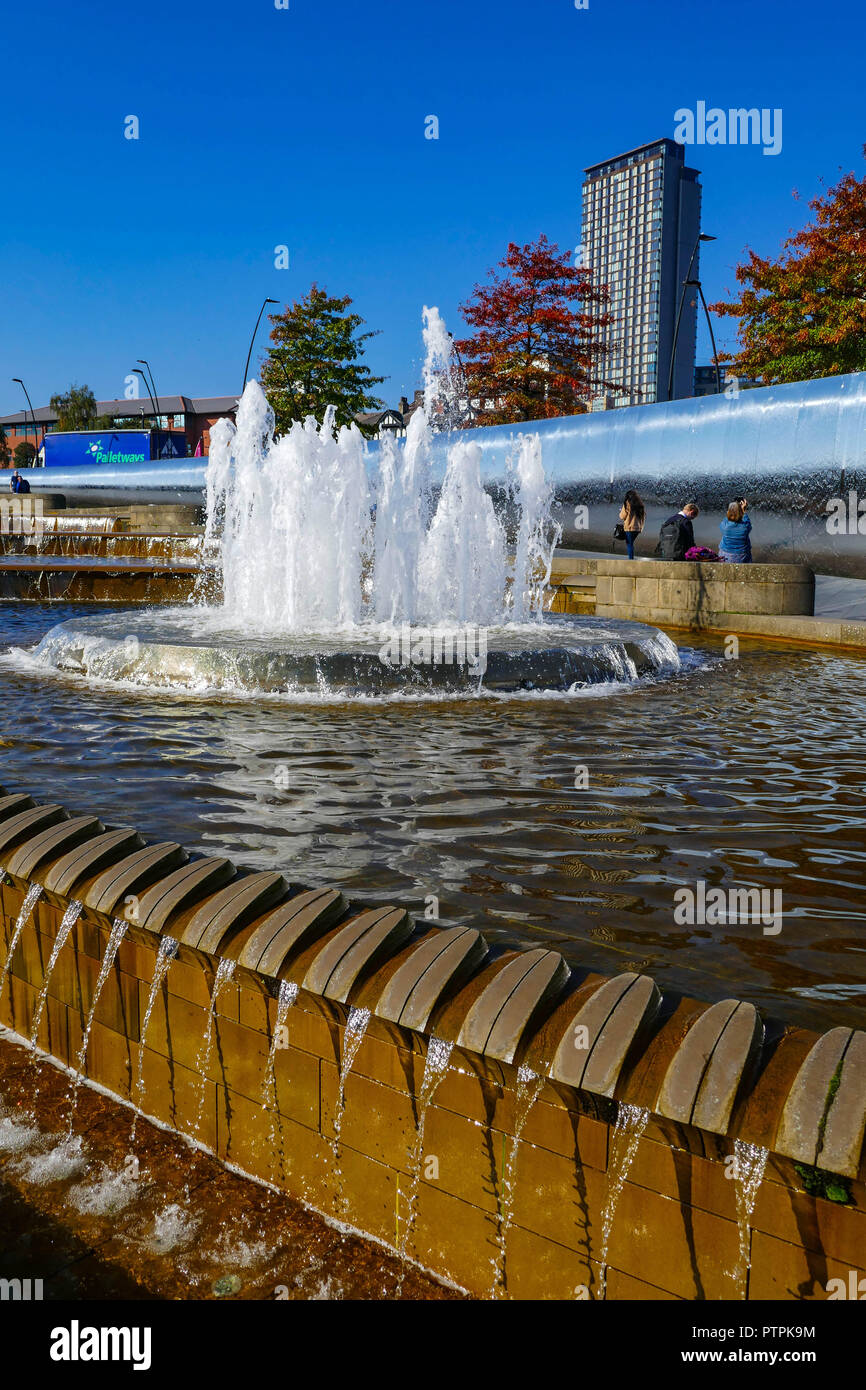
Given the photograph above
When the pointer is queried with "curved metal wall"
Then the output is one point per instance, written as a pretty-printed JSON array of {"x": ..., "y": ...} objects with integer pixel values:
[{"x": 789, "y": 449}]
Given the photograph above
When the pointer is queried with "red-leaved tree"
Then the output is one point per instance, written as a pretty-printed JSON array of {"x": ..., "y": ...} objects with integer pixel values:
[
  {"x": 804, "y": 314},
  {"x": 537, "y": 350}
]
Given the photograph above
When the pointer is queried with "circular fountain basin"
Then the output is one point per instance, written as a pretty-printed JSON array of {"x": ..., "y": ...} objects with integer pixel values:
[{"x": 189, "y": 649}]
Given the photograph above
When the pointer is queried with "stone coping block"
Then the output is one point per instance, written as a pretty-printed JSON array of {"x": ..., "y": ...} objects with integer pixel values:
[{"x": 708, "y": 1073}]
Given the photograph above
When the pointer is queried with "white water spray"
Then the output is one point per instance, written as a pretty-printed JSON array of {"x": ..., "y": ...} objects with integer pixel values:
[{"x": 310, "y": 540}]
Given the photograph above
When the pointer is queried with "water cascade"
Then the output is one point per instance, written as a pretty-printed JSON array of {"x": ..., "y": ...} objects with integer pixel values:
[
  {"x": 286, "y": 997},
  {"x": 435, "y": 1066},
  {"x": 34, "y": 893},
  {"x": 529, "y": 1088},
  {"x": 315, "y": 535},
  {"x": 356, "y": 1027},
  {"x": 224, "y": 972},
  {"x": 164, "y": 957},
  {"x": 70, "y": 917},
  {"x": 119, "y": 929},
  {"x": 631, "y": 1121},
  {"x": 751, "y": 1160}
]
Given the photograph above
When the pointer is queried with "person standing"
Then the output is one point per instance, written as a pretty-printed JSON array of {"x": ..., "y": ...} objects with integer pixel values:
[
  {"x": 736, "y": 545},
  {"x": 632, "y": 514}
]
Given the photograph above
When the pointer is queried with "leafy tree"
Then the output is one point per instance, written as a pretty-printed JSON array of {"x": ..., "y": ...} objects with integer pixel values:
[
  {"x": 4, "y": 449},
  {"x": 804, "y": 314},
  {"x": 76, "y": 410},
  {"x": 315, "y": 362},
  {"x": 536, "y": 351},
  {"x": 24, "y": 454}
]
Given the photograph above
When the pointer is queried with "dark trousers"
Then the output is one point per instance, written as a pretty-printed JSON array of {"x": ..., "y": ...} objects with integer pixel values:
[{"x": 630, "y": 538}]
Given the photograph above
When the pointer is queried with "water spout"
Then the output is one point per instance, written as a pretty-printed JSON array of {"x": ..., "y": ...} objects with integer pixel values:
[
  {"x": 34, "y": 892},
  {"x": 529, "y": 1088},
  {"x": 356, "y": 1027},
  {"x": 118, "y": 931},
  {"x": 436, "y": 1065},
  {"x": 70, "y": 917},
  {"x": 751, "y": 1160},
  {"x": 164, "y": 957},
  {"x": 631, "y": 1121}
]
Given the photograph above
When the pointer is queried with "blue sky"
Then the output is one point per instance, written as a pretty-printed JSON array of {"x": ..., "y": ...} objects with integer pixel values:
[{"x": 305, "y": 127}]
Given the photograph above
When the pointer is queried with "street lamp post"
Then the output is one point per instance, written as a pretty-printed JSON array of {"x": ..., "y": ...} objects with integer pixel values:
[
  {"x": 253, "y": 339},
  {"x": 145, "y": 363},
  {"x": 33, "y": 414},
  {"x": 712, "y": 335},
  {"x": 703, "y": 236},
  {"x": 136, "y": 371}
]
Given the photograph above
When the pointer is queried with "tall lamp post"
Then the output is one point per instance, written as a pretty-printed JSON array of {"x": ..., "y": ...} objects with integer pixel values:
[
  {"x": 712, "y": 335},
  {"x": 136, "y": 371},
  {"x": 253, "y": 339},
  {"x": 18, "y": 380},
  {"x": 703, "y": 236},
  {"x": 144, "y": 363}
]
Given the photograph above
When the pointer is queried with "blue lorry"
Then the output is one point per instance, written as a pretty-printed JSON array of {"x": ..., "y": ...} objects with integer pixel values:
[{"x": 93, "y": 448}]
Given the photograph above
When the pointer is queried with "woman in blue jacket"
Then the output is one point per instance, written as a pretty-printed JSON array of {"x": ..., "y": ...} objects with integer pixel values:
[{"x": 736, "y": 546}]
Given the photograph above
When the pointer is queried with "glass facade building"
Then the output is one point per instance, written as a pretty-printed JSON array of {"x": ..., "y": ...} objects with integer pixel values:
[{"x": 641, "y": 220}]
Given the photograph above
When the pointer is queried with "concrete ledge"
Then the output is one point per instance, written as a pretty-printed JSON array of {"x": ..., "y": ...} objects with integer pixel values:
[{"x": 351, "y": 1134}]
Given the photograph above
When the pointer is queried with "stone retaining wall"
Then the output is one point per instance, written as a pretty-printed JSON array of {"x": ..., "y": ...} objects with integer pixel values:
[
  {"x": 523, "y": 1216},
  {"x": 687, "y": 594}
]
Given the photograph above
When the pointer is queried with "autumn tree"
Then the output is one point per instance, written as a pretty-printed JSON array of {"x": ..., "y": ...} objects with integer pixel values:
[
  {"x": 316, "y": 361},
  {"x": 4, "y": 449},
  {"x": 537, "y": 350},
  {"x": 804, "y": 314}
]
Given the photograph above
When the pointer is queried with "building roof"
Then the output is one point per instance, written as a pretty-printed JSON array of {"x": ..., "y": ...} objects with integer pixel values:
[
  {"x": 168, "y": 405},
  {"x": 638, "y": 149}
]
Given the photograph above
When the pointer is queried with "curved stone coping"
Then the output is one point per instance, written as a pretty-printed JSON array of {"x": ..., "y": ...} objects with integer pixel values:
[{"x": 708, "y": 1067}]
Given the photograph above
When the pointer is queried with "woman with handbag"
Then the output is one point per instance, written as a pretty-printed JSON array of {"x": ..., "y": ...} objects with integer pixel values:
[{"x": 632, "y": 516}]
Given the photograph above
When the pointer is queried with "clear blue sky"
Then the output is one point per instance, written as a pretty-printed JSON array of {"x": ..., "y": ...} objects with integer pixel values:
[{"x": 305, "y": 127}]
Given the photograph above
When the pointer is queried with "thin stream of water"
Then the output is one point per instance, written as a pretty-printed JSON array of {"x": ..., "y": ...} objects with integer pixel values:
[
  {"x": 161, "y": 966},
  {"x": 529, "y": 1087},
  {"x": 356, "y": 1027},
  {"x": 286, "y": 999},
  {"x": 224, "y": 972},
  {"x": 631, "y": 1121},
  {"x": 751, "y": 1161},
  {"x": 70, "y": 917},
  {"x": 32, "y": 896},
  {"x": 436, "y": 1065},
  {"x": 119, "y": 929}
]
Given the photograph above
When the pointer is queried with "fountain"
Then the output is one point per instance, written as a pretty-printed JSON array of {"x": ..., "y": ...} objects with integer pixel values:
[
  {"x": 164, "y": 957},
  {"x": 631, "y": 1121},
  {"x": 436, "y": 1065},
  {"x": 751, "y": 1160},
  {"x": 346, "y": 571},
  {"x": 224, "y": 972},
  {"x": 356, "y": 1027},
  {"x": 32, "y": 896},
  {"x": 119, "y": 929},
  {"x": 286, "y": 998},
  {"x": 529, "y": 1088},
  {"x": 70, "y": 917}
]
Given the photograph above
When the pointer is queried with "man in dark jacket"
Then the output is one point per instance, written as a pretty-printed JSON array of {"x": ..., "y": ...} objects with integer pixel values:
[
  {"x": 677, "y": 534},
  {"x": 17, "y": 483}
]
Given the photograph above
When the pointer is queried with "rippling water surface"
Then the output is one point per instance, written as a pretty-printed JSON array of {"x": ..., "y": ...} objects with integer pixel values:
[{"x": 745, "y": 773}]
